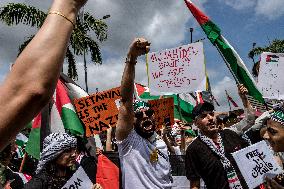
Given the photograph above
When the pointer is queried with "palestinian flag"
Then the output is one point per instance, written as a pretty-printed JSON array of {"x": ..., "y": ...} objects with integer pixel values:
[
  {"x": 230, "y": 99},
  {"x": 186, "y": 101},
  {"x": 230, "y": 56},
  {"x": 63, "y": 116},
  {"x": 272, "y": 58},
  {"x": 33, "y": 144}
]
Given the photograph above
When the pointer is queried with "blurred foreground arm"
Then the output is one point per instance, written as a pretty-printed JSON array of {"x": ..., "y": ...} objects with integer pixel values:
[{"x": 32, "y": 80}]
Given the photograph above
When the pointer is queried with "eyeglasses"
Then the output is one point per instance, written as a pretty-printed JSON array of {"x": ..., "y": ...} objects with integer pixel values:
[{"x": 149, "y": 113}]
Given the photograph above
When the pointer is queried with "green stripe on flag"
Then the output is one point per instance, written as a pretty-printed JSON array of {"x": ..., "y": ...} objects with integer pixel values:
[
  {"x": 33, "y": 145},
  {"x": 230, "y": 56},
  {"x": 71, "y": 121}
]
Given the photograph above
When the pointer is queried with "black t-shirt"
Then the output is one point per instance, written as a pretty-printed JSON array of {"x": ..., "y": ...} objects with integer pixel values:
[
  {"x": 17, "y": 182},
  {"x": 202, "y": 162}
]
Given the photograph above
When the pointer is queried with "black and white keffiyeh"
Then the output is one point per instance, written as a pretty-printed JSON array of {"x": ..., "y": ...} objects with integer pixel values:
[
  {"x": 234, "y": 182},
  {"x": 53, "y": 145}
]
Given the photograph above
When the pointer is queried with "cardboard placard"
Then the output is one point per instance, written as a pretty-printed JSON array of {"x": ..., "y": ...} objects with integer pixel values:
[
  {"x": 98, "y": 111},
  {"x": 259, "y": 162},
  {"x": 79, "y": 180},
  {"x": 177, "y": 70},
  {"x": 271, "y": 75},
  {"x": 164, "y": 109}
]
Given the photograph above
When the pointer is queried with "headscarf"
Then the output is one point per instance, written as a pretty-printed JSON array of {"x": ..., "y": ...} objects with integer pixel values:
[
  {"x": 53, "y": 145},
  {"x": 190, "y": 132},
  {"x": 139, "y": 105},
  {"x": 278, "y": 116}
]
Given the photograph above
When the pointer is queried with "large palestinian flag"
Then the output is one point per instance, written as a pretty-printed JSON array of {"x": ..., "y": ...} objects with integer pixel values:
[
  {"x": 230, "y": 56},
  {"x": 62, "y": 115}
]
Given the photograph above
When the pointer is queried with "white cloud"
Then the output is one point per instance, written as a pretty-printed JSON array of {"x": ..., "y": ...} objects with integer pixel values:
[
  {"x": 271, "y": 9},
  {"x": 108, "y": 75},
  {"x": 240, "y": 4}
]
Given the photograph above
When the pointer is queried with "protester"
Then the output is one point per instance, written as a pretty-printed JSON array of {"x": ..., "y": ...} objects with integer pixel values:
[
  {"x": 8, "y": 178},
  {"x": 57, "y": 162},
  {"x": 209, "y": 155},
  {"x": 275, "y": 136},
  {"x": 143, "y": 155},
  {"x": 241, "y": 126},
  {"x": 25, "y": 88}
]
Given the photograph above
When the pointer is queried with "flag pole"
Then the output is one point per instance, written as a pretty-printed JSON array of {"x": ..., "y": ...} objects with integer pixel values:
[
  {"x": 228, "y": 99},
  {"x": 23, "y": 162},
  {"x": 228, "y": 65}
]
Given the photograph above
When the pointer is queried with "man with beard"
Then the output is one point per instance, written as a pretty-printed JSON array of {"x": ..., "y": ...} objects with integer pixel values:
[
  {"x": 143, "y": 155},
  {"x": 209, "y": 155}
]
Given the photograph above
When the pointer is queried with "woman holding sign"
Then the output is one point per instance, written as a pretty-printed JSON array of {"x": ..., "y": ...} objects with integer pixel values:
[{"x": 57, "y": 162}]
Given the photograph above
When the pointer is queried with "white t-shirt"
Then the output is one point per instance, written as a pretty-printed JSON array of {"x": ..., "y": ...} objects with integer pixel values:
[{"x": 137, "y": 169}]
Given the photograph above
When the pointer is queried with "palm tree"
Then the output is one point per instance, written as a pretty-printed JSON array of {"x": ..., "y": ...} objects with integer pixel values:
[
  {"x": 277, "y": 46},
  {"x": 80, "y": 41}
]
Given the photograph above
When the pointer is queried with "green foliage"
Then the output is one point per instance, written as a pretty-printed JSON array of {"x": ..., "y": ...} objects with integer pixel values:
[
  {"x": 16, "y": 13},
  {"x": 277, "y": 46}
]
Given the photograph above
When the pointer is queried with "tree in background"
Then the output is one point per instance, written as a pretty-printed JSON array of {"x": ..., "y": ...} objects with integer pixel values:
[
  {"x": 277, "y": 46},
  {"x": 80, "y": 43}
]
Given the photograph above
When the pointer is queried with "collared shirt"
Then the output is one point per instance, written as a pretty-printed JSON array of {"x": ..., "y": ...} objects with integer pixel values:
[{"x": 138, "y": 171}]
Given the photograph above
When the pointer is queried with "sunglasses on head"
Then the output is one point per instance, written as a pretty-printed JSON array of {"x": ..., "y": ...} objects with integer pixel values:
[{"x": 149, "y": 113}]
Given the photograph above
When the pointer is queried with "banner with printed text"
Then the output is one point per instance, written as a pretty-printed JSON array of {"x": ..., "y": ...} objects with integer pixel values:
[
  {"x": 259, "y": 162},
  {"x": 164, "y": 111},
  {"x": 177, "y": 70},
  {"x": 98, "y": 111},
  {"x": 271, "y": 75}
]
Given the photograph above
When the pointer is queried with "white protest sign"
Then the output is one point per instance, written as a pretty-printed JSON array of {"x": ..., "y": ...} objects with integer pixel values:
[
  {"x": 271, "y": 75},
  {"x": 79, "y": 180},
  {"x": 258, "y": 161},
  {"x": 177, "y": 70}
]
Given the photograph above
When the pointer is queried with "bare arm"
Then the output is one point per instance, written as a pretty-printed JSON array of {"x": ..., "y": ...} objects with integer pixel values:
[
  {"x": 249, "y": 118},
  {"x": 165, "y": 132},
  {"x": 108, "y": 140},
  {"x": 125, "y": 121},
  {"x": 32, "y": 80}
]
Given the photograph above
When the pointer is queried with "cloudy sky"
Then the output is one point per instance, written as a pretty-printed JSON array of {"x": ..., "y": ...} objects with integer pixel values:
[{"x": 165, "y": 23}]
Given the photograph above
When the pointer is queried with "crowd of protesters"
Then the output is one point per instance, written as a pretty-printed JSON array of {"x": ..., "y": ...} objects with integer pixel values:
[{"x": 205, "y": 145}]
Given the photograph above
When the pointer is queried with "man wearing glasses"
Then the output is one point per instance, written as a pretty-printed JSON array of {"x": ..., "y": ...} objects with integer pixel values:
[
  {"x": 209, "y": 155},
  {"x": 143, "y": 155}
]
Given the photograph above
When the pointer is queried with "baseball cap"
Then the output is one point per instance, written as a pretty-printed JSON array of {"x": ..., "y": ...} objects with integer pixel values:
[{"x": 200, "y": 108}]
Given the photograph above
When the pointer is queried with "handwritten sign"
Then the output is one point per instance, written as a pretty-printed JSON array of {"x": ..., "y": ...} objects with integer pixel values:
[
  {"x": 164, "y": 109},
  {"x": 98, "y": 111},
  {"x": 258, "y": 161},
  {"x": 271, "y": 75},
  {"x": 177, "y": 70},
  {"x": 79, "y": 180}
]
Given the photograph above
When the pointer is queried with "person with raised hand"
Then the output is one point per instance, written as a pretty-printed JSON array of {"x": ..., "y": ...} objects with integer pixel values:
[
  {"x": 32, "y": 80},
  {"x": 143, "y": 154}
]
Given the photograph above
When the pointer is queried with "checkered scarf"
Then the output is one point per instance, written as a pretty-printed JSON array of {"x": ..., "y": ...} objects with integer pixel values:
[
  {"x": 234, "y": 182},
  {"x": 53, "y": 145}
]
